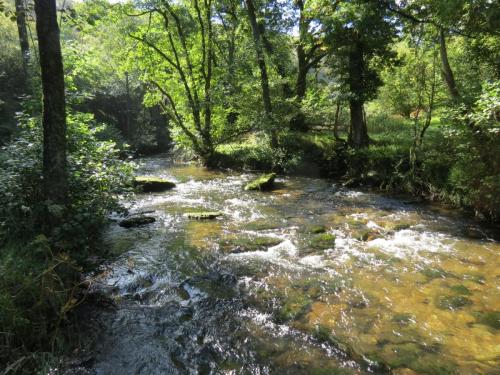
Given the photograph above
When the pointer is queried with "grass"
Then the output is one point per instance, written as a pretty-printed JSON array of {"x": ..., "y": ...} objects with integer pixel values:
[{"x": 38, "y": 289}]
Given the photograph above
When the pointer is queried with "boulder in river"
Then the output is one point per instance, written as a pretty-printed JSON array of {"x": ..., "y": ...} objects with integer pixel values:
[
  {"x": 262, "y": 183},
  {"x": 153, "y": 184},
  {"x": 203, "y": 215},
  {"x": 136, "y": 221}
]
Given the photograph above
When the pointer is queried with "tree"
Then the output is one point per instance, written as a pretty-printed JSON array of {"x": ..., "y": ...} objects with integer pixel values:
[
  {"x": 310, "y": 50},
  {"x": 54, "y": 112},
  {"x": 183, "y": 69},
  {"x": 473, "y": 20},
  {"x": 359, "y": 34},
  {"x": 261, "y": 62},
  {"x": 23, "y": 36}
]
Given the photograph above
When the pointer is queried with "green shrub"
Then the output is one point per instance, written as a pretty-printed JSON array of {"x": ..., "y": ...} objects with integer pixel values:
[
  {"x": 96, "y": 178},
  {"x": 38, "y": 288}
]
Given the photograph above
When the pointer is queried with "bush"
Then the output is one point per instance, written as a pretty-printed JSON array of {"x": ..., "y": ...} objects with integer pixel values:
[
  {"x": 40, "y": 282},
  {"x": 37, "y": 290},
  {"x": 96, "y": 178}
]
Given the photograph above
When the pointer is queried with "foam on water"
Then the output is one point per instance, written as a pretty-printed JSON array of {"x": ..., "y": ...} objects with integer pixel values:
[{"x": 411, "y": 243}]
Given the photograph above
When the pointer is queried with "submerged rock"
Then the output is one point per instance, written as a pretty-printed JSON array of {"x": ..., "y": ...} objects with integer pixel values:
[
  {"x": 323, "y": 241},
  {"x": 136, "y": 221},
  {"x": 316, "y": 229},
  {"x": 203, "y": 215},
  {"x": 489, "y": 318},
  {"x": 461, "y": 290},
  {"x": 153, "y": 184},
  {"x": 263, "y": 183},
  {"x": 453, "y": 302},
  {"x": 247, "y": 244}
]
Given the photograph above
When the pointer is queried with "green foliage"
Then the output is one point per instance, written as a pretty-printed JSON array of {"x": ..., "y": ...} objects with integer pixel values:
[
  {"x": 38, "y": 289},
  {"x": 365, "y": 25},
  {"x": 475, "y": 176},
  {"x": 11, "y": 74},
  {"x": 96, "y": 178}
]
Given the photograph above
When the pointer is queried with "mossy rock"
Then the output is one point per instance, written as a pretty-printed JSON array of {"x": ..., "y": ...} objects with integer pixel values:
[
  {"x": 262, "y": 224},
  {"x": 367, "y": 235},
  {"x": 153, "y": 184},
  {"x": 489, "y": 318},
  {"x": 453, "y": 302},
  {"x": 315, "y": 287},
  {"x": 461, "y": 290},
  {"x": 203, "y": 215},
  {"x": 262, "y": 183},
  {"x": 136, "y": 221},
  {"x": 293, "y": 309},
  {"x": 322, "y": 241},
  {"x": 415, "y": 357},
  {"x": 401, "y": 226},
  {"x": 476, "y": 278},
  {"x": 316, "y": 229},
  {"x": 245, "y": 244},
  {"x": 436, "y": 273},
  {"x": 404, "y": 319}
]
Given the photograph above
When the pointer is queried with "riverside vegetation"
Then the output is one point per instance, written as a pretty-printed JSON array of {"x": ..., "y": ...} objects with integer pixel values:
[{"x": 375, "y": 97}]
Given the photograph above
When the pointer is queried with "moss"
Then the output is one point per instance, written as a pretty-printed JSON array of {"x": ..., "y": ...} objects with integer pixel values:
[
  {"x": 476, "y": 278},
  {"x": 136, "y": 221},
  {"x": 413, "y": 356},
  {"x": 399, "y": 227},
  {"x": 489, "y": 318},
  {"x": 453, "y": 302},
  {"x": 262, "y": 183},
  {"x": 262, "y": 224},
  {"x": 316, "y": 286},
  {"x": 203, "y": 215},
  {"x": 322, "y": 241},
  {"x": 461, "y": 290},
  {"x": 435, "y": 273},
  {"x": 316, "y": 229},
  {"x": 153, "y": 184},
  {"x": 245, "y": 244},
  {"x": 403, "y": 319},
  {"x": 293, "y": 310}
]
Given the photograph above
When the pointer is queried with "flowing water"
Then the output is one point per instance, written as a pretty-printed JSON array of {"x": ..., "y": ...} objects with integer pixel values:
[{"x": 310, "y": 278}]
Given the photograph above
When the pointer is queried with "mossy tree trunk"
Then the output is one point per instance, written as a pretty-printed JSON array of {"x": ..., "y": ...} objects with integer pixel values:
[
  {"x": 358, "y": 133},
  {"x": 54, "y": 112},
  {"x": 261, "y": 62},
  {"x": 23, "y": 39}
]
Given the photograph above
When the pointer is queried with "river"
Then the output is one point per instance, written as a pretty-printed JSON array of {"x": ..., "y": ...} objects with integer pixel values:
[{"x": 310, "y": 278}]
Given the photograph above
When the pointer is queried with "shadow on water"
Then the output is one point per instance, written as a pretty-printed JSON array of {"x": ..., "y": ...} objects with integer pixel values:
[{"x": 306, "y": 279}]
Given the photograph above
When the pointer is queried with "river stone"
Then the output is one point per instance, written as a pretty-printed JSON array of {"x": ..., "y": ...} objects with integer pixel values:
[
  {"x": 489, "y": 318},
  {"x": 323, "y": 241},
  {"x": 245, "y": 244},
  {"x": 203, "y": 215},
  {"x": 136, "y": 221},
  {"x": 316, "y": 229},
  {"x": 153, "y": 184},
  {"x": 453, "y": 302},
  {"x": 461, "y": 290},
  {"x": 262, "y": 183}
]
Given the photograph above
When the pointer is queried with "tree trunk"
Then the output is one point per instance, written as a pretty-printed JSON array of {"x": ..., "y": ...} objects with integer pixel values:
[
  {"x": 336, "y": 122},
  {"x": 358, "y": 134},
  {"x": 447, "y": 73},
  {"x": 54, "y": 113},
  {"x": 161, "y": 125},
  {"x": 264, "y": 80},
  {"x": 23, "y": 37},
  {"x": 300, "y": 86}
]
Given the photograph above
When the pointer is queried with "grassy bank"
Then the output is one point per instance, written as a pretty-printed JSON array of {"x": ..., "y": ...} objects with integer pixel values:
[{"x": 442, "y": 171}]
